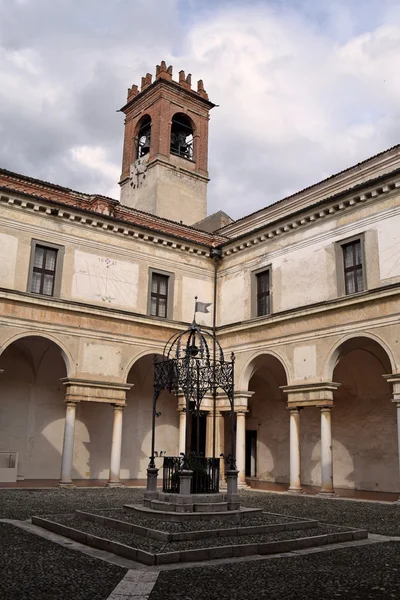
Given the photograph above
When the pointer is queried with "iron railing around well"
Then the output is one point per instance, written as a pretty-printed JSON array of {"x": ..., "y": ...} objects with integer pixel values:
[{"x": 205, "y": 478}]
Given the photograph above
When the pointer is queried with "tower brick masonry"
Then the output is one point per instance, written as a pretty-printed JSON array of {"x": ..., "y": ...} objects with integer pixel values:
[{"x": 165, "y": 162}]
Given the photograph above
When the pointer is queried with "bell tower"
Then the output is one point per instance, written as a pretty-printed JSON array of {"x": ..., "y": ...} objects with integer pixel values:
[{"x": 164, "y": 164}]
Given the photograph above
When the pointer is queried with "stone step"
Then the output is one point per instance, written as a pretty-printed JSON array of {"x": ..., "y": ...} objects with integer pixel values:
[
  {"x": 210, "y": 507},
  {"x": 163, "y": 506},
  {"x": 110, "y": 544},
  {"x": 196, "y": 498},
  {"x": 227, "y": 515}
]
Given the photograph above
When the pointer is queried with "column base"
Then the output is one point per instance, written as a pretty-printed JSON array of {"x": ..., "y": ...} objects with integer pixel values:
[
  {"x": 114, "y": 484},
  {"x": 295, "y": 490},
  {"x": 65, "y": 484}
]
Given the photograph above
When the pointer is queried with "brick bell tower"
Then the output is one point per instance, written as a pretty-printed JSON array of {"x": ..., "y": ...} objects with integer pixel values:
[{"x": 164, "y": 165}]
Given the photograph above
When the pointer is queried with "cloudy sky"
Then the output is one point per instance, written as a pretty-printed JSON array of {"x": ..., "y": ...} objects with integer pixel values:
[{"x": 305, "y": 88}]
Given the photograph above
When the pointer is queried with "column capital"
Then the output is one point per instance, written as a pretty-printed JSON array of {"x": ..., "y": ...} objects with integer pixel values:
[
  {"x": 310, "y": 394},
  {"x": 69, "y": 402},
  {"x": 394, "y": 380},
  {"x": 326, "y": 408},
  {"x": 108, "y": 392},
  {"x": 118, "y": 406},
  {"x": 294, "y": 409}
]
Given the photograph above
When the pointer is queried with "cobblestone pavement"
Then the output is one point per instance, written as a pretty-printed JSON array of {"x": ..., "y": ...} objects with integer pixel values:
[
  {"x": 34, "y": 568},
  {"x": 363, "y": 573}
]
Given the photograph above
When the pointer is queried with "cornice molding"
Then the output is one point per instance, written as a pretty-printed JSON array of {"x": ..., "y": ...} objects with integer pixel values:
[
  {"x": 97, "y": 221},
  {"x": 308, "y": 216}
]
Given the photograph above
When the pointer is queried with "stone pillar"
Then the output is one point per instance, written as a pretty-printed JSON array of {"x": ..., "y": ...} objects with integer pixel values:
[
  {"x": 241, "y": 446},
  {"x": 232, "y": 496},
  {"x": 182, "y": 431},
  {"x": 151, "y": 492},
  {"x": 295, "y": 485},
  {"x": 209, "y": 434},
  {"x": 326, "y": 452},
  {"x": 394, "y": 380},
  {"x": 220, "y": 444},
  {"x": 68, "y": 445},
  {"x": 116, "y": 444}
]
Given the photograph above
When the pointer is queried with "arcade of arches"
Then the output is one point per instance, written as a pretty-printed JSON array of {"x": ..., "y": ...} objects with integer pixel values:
[{"x": 343, "y": 432}]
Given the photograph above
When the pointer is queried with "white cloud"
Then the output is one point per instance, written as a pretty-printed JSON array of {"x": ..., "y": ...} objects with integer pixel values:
[{"x": 304, "y": 89}]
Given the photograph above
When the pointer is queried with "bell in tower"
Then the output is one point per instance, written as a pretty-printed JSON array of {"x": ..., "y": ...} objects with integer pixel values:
[{"x": 164, "y": 167}]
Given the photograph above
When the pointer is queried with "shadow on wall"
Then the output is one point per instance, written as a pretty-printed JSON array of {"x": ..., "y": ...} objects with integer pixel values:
[
  {"x": 136, "y": 441},
  {"x": 269, "y": 418},
  {"x": 32, "y": 409},
  {"x": 364, "y": 427}
]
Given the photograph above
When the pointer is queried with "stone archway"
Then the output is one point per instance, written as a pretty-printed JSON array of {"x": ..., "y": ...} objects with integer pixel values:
[
  {"x": 365, "y": 452},
  {"x": 267, "y": 421},
  {"x": 32, "y": 410},
  {"x": 136, "y": 445}
]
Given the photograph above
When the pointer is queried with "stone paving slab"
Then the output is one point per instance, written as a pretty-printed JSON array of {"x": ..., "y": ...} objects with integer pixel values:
[{"x": 136, "y": 585}]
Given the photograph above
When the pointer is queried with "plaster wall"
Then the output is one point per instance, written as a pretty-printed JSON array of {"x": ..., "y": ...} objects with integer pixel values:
[
  {"x": 364, "y": 429},
  {"x": 305, "y": 264},
  {"x": 32, "y": 407},
  {"x": 269, "y": 417},
  {"x": 102, "y": 268},
  {"x": 32, "y": 417},
  {"x": 8, "y": 259},
  {"x": 171, "y": 191},
  {"x": 136, "y": 440}
]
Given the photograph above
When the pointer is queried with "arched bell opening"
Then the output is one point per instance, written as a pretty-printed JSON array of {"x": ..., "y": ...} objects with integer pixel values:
[
  {"x": 182, "y": 136},
  {"x": 143, "y": 137},
  {"x": 32, "y": 407}
]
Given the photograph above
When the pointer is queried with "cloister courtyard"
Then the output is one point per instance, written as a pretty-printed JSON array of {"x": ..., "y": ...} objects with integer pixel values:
[{"x": 37, "y": 564}]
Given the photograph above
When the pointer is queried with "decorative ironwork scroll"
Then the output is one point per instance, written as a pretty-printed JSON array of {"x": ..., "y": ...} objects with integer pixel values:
[{"x": 188, "y": 368}]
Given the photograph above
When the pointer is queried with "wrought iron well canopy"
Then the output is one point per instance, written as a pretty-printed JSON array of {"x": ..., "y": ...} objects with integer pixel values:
[{"x": 193, "y": 365}]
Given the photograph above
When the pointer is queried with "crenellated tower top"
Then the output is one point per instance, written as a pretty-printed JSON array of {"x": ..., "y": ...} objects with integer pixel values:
[{"x": 165, "y": 158}]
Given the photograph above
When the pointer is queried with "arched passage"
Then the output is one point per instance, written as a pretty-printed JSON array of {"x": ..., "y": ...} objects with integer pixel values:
[
  {"x": 32, "y": 407},
  {"x": 267, "y": 422},
  {"x": 364, "y": 418},
  {"x": 136, "y": 445}
]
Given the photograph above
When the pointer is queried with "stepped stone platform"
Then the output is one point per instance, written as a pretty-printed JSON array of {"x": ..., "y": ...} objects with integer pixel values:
[{"x": 146, "y": 538}]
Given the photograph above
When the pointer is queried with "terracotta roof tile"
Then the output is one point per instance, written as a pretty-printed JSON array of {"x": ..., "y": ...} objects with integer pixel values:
[{"x": 107, "y": 207}]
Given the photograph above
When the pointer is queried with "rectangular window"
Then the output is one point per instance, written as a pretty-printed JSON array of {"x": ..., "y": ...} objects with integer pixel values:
[
  {"x": 353, "y": 267},
  {"x": 159, "y": 295},
  {"x": 263, "y": 293},
  {"x": 45, "y": 268}
]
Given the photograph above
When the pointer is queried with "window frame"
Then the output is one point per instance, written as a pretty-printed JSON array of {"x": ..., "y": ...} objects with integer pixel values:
[
  {"x": 254, "y": 291},
  {"x": 340, "y": 264},
  {"x": 58, "y": 268},
  {"x": 170, "y": 292}
]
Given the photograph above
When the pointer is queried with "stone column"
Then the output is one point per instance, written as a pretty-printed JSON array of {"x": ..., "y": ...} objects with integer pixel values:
[
  {"x": 68, "y": 445},
  {"x": 295, "y": 485},
  {"x": 394, "y": 379},
  {"x": 116, "y": 445},
  {"x": 326, "y": 452},
  {"x": 182, "y": 431},
  {"x": 220, "y": 443},
  {"x": 241, "y": 446},
  {"x": 210, "y": 434}
]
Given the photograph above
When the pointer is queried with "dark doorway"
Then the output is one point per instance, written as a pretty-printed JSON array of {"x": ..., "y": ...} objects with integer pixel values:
[
  {"x": 251, "y": 453},
  {"x": 201, "y": 448}
]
